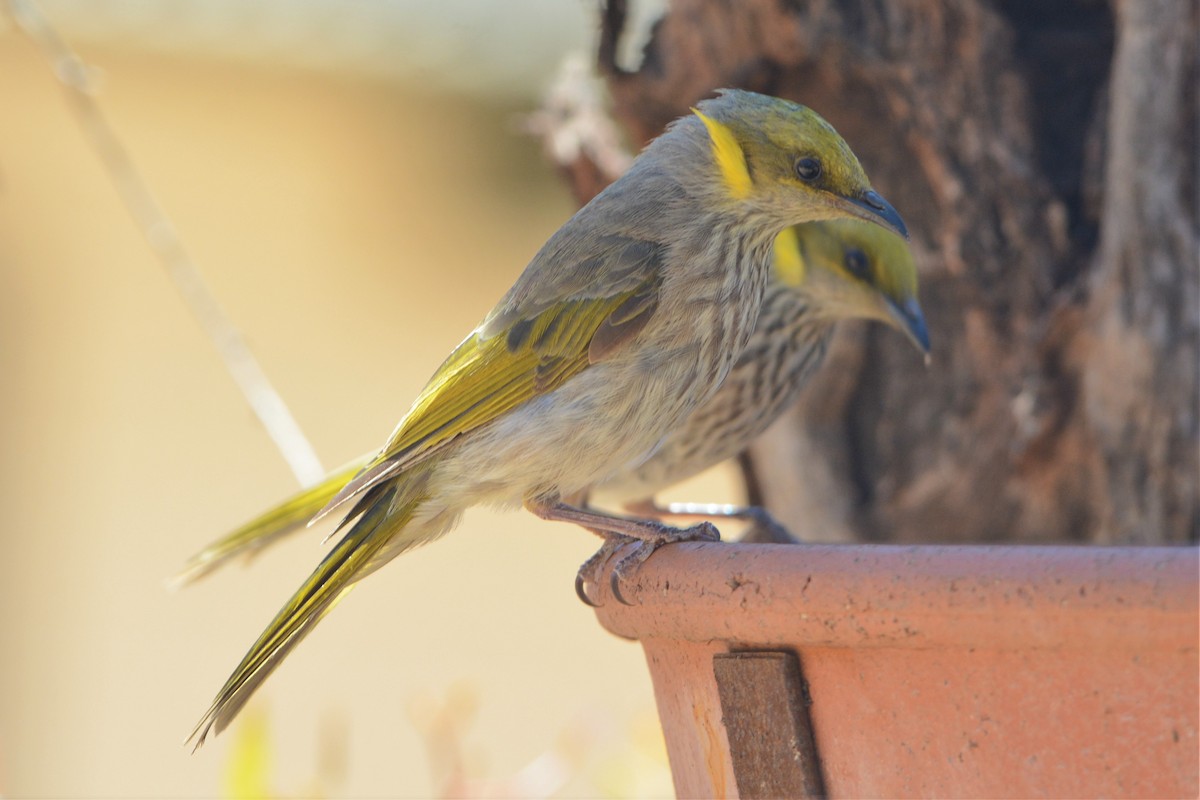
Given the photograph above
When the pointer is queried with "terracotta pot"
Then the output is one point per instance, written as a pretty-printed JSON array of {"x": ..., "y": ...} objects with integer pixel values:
[{"x": 881, "y": 671}]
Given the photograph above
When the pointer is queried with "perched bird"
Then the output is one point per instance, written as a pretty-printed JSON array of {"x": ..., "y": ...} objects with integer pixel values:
[
  {"x": 824, "y": 272},
  {"x": 628, "y": 318}
]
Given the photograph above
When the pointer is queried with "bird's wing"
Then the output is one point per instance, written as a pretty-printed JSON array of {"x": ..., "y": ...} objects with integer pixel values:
[
  {"x": 497, "y": 369},
  {"x": 573, "y": 267},
  {"x": 483, "y": 378}
]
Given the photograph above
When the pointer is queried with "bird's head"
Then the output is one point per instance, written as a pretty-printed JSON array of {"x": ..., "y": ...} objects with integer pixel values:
[
  {"x": 849, "y": 269},
  {"x": 785, "y": 161}
]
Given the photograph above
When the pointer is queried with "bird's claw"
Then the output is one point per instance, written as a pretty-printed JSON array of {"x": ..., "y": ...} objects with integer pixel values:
[
  {"x": 636, "y": 558},
  {"x": 591, "y": 568},
  {"x": 581, "y": 591},
  {"x": 703, "y": 532}
]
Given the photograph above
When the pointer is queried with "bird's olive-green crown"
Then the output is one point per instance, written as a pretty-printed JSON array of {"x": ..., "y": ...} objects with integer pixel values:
[
  {"x": 848, "y": 269},
  {"x": 778, "y": 154}
]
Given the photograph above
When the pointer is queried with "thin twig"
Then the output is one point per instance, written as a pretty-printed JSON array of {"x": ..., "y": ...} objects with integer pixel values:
[{"x": 75, "y": 77}]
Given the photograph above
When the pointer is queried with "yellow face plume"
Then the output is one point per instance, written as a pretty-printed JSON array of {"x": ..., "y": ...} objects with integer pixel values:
[
  {"x": 851, "y": 269},
  {"x": 786, "y": 160}
]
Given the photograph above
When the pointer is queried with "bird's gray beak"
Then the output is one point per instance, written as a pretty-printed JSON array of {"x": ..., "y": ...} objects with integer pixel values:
[
  {"x": 908, "y": 318},
  {"x": 873, "y": 208}
]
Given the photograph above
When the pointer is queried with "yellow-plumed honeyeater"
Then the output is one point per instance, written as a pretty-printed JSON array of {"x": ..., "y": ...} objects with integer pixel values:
[
  {"x": 629, "y": 318},
  {"x": 823, "y": 272}
]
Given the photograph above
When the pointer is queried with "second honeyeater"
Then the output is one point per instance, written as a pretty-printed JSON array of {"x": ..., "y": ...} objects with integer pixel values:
[
  {"x": 630, "y": 316},
  {"x": 824, "y": 272}
]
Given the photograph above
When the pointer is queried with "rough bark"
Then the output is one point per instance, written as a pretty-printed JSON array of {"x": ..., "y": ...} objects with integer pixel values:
[
  {"x": 1134, "y": 362},
  {"x": 1044, "y": 157}
]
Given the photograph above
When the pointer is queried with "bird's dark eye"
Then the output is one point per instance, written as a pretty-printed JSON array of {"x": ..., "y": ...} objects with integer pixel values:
[
  {"x": 808, "y": 169},
  {"x": 857, "y": 264}
]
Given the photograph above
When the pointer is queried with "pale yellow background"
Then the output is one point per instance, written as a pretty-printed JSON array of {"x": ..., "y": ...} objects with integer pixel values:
[{"x": 355, "y": 229}]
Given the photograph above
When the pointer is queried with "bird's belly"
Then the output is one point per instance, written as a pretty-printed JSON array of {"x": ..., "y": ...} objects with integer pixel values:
[
  {"x": 610, "y": 415},
  {"x": 765, "y": 381}
]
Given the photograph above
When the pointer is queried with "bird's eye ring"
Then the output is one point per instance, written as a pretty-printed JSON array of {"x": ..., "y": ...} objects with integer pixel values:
[
  {"x": 808, "y": 169},
  {"x": 857, "y": 264}
]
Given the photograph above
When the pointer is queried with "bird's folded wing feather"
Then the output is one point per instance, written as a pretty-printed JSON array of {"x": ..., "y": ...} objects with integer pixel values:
[{"x": 539, "y": 347}]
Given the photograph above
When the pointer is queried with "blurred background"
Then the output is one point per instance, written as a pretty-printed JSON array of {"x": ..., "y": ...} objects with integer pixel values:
[{"x": 355, "y": 185}]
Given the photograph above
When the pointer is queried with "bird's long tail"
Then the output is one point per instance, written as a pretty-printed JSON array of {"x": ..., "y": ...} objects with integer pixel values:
[
  {"x": 360, "y": 551},
  {"x": 270, "y": 526}
]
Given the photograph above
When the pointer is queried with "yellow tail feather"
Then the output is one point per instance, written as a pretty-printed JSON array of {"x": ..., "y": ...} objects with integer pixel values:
[
  {"x": 268, "y": 527},
  {"x": 357, "y": 554}
]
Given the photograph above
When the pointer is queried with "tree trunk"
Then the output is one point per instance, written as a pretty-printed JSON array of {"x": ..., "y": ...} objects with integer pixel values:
[{"x": 1044, "y": 157}]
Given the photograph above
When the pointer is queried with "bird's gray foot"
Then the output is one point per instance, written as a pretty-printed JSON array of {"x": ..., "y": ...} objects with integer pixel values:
[
  {"x": 646, "y": 547},
  {"x": 590, "y": 571},
  {"x": 764, "y": 528},
  {"x": 617, "y": 531}
]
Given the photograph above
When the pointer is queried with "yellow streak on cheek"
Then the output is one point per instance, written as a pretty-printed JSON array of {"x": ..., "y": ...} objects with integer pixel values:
[
  {"x": 789, "y": 265},
  {"x": 729, "y": 157}
]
